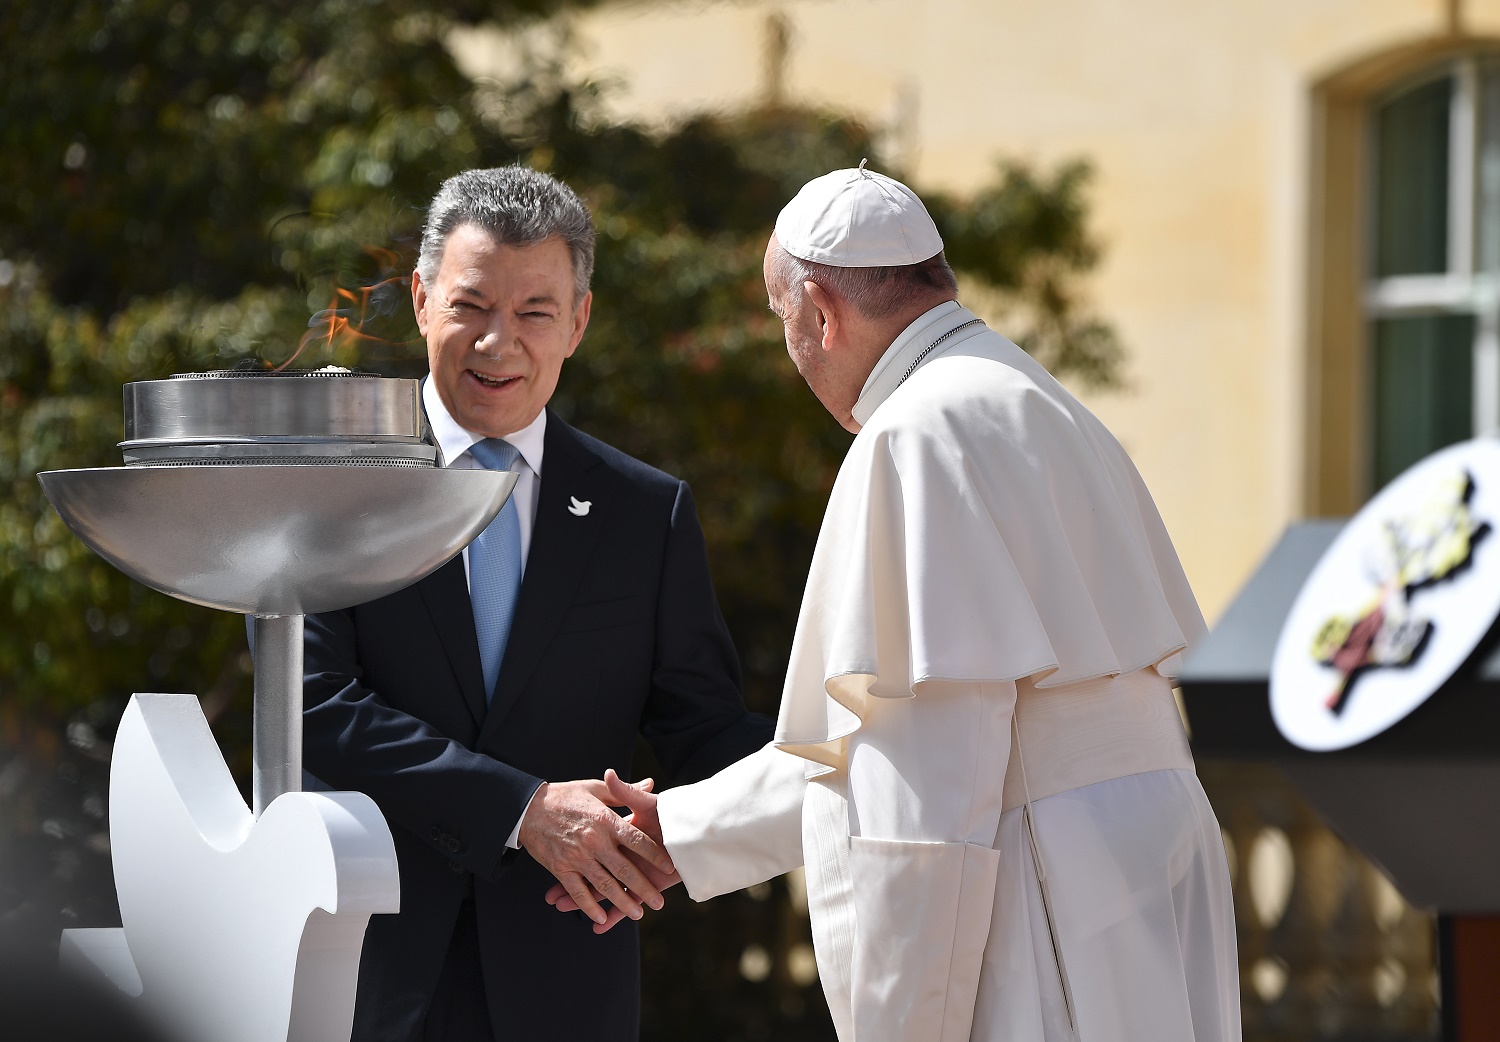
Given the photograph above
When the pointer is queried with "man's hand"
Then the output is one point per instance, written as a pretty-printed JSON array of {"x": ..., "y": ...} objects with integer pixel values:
[
  {"x": 642, "y": 803},
  {"x": 570, "y": 830}
]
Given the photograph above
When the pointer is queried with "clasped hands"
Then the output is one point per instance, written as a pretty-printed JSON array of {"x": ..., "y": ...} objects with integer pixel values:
[{"x": 597, "y": 855}]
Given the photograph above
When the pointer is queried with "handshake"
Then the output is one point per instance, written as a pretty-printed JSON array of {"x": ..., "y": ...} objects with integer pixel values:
[{"x": 607, "y": 866}]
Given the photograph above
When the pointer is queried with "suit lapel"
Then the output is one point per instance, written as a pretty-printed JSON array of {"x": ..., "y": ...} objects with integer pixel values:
[
  {"x": 446, "y": 593},
  {"x": 561, "y": 542}
]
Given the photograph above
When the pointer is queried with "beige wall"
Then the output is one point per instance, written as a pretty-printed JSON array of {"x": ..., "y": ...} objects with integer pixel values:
[{"x": 1198, "y": 116}]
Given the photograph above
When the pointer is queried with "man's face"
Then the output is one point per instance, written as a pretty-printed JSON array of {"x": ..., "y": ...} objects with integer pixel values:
[
  {"x": 799, "y": 323},
  {"x": 498, "y": 320}
]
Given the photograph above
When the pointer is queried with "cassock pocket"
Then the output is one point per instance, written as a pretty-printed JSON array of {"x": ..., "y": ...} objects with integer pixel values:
[{"x": 922, "y": 918}]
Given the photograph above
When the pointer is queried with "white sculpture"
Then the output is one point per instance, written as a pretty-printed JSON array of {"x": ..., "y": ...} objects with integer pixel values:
[{"x": 235, "y": 929}]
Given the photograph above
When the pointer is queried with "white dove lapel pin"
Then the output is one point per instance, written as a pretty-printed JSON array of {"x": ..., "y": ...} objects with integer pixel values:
[{"x": 579, "y": 508}]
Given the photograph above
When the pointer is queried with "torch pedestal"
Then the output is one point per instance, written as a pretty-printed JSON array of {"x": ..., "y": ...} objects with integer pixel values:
[
  {"x": 245, "y": 924},
  {"x": 236, "y": 926}
]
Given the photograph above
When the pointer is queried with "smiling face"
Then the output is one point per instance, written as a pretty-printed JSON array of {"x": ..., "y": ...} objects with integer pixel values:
[{"x": 499, "y": 321}]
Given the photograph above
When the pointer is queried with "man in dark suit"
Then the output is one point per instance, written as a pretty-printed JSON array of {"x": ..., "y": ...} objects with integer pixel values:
[{"x": 583, "y": 616}]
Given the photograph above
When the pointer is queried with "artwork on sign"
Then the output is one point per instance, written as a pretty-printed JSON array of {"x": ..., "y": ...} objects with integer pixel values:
[
  {"x": 1400, "y": 599},
  {"x": 1432, "y": 545}
]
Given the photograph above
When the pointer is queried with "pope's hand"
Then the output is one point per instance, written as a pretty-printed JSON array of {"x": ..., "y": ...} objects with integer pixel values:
[
  {"x": 639, "y": 799},
  {"x": 642, "y": 803},
  {"x": 571, "y": 830}
]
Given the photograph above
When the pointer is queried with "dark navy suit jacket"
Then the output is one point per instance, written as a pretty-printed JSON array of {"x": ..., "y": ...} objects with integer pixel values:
[{"x": 616, "y": 634}]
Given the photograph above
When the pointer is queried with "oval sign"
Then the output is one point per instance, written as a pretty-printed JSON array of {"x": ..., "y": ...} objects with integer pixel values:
[{"x": 1398, "y": 602}]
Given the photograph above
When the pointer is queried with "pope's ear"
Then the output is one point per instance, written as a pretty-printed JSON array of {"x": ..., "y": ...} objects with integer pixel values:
[{"x": 828, "y": 312}]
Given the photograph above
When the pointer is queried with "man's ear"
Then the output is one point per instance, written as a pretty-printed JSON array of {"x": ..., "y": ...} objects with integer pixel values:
[
  {"x": 580, "y": 322},
  {"x": 828, "y": 313},
  {"x": 419, "y": 301}
]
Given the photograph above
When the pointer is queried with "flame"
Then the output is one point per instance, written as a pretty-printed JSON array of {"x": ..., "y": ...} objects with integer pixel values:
[{"x": 343, "y": 320}]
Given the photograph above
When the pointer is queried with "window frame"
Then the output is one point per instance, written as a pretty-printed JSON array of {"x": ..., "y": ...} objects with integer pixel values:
[{"x": 1463, "y": 289}]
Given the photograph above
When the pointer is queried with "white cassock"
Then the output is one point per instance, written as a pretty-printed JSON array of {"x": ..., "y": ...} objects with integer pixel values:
[{"x": 991, "y": 621}]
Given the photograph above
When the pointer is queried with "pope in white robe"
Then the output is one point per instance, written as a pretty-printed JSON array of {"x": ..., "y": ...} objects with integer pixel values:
[{"x": 978, "y": 758}]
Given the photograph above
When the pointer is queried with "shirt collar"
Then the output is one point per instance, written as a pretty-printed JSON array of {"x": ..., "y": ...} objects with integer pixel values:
[
  {"x": 906, "y": 353},
  {"x": 455, "y": 440}
]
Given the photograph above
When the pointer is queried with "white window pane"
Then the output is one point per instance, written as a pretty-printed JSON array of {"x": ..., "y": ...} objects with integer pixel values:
[
  {"x": 1423, "y": 388},
  {"x": 1488, "y": 218},
  {"x": 1411, "y": 217}
]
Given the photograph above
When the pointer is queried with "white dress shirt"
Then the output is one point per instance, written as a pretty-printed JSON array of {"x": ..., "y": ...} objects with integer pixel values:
[{"x": 455, "y": 442}]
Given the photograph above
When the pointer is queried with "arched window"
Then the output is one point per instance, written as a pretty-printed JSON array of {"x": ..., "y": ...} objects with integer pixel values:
[
  {"x": 1431, "y": 297},
  {"x": 1404, "y": 336}
]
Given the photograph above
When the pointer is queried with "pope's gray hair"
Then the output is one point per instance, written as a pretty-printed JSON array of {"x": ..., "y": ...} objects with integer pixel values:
[
  {"x": 519, "y": 207},
  {"x": 878, "y": 292}
]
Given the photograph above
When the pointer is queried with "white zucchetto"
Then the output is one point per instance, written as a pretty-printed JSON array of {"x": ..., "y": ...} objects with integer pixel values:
[{"x": 857, "y": 218}]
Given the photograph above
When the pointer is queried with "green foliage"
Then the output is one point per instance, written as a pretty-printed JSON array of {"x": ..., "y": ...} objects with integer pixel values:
[
  {"x": 1025, "y": 239},
  {"x": 194, "y": 184}
]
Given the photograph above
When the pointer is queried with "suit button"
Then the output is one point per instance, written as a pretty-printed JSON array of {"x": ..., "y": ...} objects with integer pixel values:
[
  {"x": 455, "y": 868},
  {"x": 435, "y": 834},
  {"x": 452, "y": 844}
]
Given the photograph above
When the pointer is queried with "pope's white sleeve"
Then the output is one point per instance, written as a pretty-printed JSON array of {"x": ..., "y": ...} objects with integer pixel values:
[
  {"x": 925, "y": 781},
  {"x": 738, "y": 828}
]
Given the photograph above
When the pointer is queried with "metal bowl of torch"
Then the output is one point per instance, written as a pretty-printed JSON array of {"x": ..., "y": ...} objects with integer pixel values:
[
  {"x": 328, "y": 416},
  {"x": 272, "y": 493},
  {"x": 276, "y": 494}
]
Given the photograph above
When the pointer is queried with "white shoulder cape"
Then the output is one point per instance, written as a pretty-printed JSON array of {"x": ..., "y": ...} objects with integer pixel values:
[{"x": 984, "y": 526}]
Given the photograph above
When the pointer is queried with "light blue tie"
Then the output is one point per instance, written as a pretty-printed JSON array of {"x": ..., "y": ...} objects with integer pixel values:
[{"x": 495, "y": 568}]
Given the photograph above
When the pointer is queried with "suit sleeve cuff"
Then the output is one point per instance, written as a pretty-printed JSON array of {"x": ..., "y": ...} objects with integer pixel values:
[{"x": 513, "y": 841}]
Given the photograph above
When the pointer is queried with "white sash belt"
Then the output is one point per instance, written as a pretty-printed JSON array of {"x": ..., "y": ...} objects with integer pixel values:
[
  {"x": 1079, "y": 735},
  {"x": 1093, "y": 731}
]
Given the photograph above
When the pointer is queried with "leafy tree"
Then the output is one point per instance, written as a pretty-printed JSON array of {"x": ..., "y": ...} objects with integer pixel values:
[{"x": 189, "y": 182}]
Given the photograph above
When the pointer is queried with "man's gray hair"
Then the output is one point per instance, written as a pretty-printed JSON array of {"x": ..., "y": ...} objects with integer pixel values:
[
  {"x": 519, "y": 207},
  {"x": 878, "y": 292}
]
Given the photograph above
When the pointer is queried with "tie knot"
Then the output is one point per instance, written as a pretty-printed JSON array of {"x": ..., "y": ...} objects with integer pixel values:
[{"x": 494, "y": 454}]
